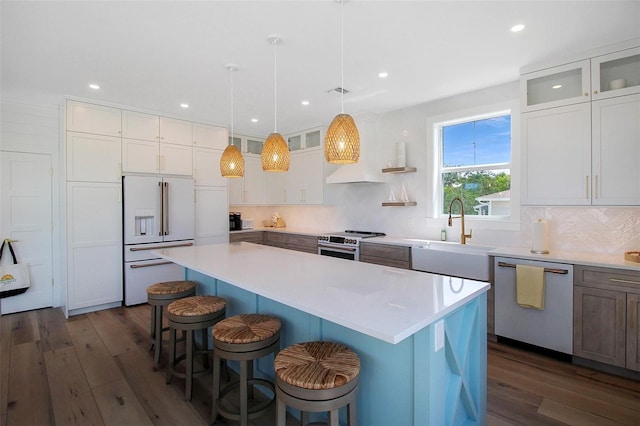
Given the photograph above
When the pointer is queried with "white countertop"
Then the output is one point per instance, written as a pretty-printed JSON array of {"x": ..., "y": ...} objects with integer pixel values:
[{"x": 387, "y": 303}]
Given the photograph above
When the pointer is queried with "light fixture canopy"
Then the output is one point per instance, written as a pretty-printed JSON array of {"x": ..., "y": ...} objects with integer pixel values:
[
  {"x": 342, "y": 140},
  {"x": 232, "y": 161},
  {"x": 275, "y": 152}
]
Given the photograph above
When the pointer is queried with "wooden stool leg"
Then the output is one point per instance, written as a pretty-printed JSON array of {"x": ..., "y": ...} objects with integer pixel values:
[
  {"x": 352, "y": 419},
  {"x": 281, "y": 413},
  {"x": 250, "y": 387},
  {"x": 205, "y": 346},
  {"x": 188, "y": 373},
  {"x": 152, "y": 327},
  {"x": 216, "y": 387},
  {"x": 158, "y": 334},
  {"x": 304, "y": 418},
  {"x": 244, "y": 401},
  {"x": 172, "y": 353},
  {"x": 334, "y": 418}
]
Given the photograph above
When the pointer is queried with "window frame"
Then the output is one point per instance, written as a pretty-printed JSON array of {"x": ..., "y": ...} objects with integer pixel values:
[{"x": 434, "y": 141}]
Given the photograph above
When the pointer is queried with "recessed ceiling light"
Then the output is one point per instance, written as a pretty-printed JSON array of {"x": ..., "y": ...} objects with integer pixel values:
[
  {"x": 94, "y": 86},
  {"x": 383, "y": 74},
  {"x": 517, "y": 28},
  {"x": 254, "y": 120},
  {"x": 184, "y": 105},
  {"x": 305, "y": 103},
  {"x": 557, "y": 86}
]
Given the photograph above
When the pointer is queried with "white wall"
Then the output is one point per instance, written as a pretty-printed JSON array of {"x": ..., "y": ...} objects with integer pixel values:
[{"x": 358, "y": 206}]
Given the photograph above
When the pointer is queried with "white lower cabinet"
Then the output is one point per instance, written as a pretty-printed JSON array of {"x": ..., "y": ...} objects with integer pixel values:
[
  {"x": 211, "y": 213},
  {"x": 94, "y": 244}
]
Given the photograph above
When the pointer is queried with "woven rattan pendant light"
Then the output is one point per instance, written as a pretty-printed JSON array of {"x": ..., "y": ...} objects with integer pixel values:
[
  {"x": 342, "y": 140},
  {"x": 231, "y": 161},
  {"x": 275, "y": 152}
]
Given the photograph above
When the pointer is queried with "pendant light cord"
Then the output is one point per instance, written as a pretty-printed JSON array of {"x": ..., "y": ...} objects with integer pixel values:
[
  {"x": 275, "y": 85},
  {"x": 342, "y": 55},
  {"x": 232, "y": 69}
]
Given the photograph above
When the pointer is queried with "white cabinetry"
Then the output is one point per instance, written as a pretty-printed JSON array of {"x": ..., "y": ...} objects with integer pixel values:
[
  {"x": 90, "y": 118},
  {"x": 305, "y": 180},
  {"x": 93, "y": 158},
  {"x": 211, "y": 197},
  {"x": 93, "y": 206},
  {"x": 94, "y": 244},
  {"x": 207, "y": 136},
  {"x": 153, "y": 144},
  {"x": 249, "y": 189},
  {"x": 580, "y": 132}
]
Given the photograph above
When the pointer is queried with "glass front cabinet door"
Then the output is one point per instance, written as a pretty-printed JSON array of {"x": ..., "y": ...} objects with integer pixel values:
[
  {"x": 616, "y": 74},
  {"x": 558, "y": 86}
]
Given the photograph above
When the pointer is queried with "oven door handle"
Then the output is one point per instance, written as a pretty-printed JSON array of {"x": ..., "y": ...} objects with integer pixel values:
[{"x": 344, "y": 249}]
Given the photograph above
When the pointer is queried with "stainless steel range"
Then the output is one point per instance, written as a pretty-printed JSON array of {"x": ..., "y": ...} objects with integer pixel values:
[{"x": 344, "y": 245}]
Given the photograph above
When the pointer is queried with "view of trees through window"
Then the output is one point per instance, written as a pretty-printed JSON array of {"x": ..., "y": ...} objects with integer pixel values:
[{"x": 475, "y": 166}]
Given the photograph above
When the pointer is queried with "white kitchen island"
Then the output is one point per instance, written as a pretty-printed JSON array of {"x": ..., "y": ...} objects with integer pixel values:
[{"x": 421, "y": 337}]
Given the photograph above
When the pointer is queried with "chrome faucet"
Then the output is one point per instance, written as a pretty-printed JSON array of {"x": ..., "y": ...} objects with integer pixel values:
[{"x": 463, "y": 236}]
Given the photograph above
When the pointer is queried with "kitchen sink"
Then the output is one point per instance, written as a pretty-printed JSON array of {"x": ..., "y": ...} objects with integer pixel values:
[{"x": 459, "y": 260}]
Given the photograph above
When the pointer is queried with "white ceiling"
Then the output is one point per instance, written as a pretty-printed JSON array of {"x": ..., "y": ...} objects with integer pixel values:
[{"x": 153, "y": 55}]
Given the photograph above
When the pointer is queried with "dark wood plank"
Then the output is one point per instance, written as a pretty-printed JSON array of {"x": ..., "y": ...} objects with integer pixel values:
[
  {"x": 25, "y": 328},
  {"x": 52, "y": 329},
  {"x": 98, "y": 364},
  {"x": 5, "y": 362},
  {"x": 71, "y": 397},
  {"x": 161, "y": 403},
  {"x": 119, "y": 405},
  {"x": 28, "y": 401},
  {"x": 115, "y": 339}
]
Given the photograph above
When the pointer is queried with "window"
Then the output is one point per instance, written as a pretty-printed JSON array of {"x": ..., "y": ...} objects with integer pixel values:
[{"x": 475, "y": 164}]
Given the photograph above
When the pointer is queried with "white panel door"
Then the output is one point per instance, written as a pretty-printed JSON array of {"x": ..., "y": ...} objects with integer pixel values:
[
  {"x": 179, "y": 201},
  {"x": 206, "y": 167},
  {"x": 206, "y": 136},
  {"x": 177, "y": 132},
  {"x": 25, "y": 217}
]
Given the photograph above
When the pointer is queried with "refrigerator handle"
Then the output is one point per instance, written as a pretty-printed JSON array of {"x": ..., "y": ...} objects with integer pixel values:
[
  {"x": 161, "y": 209},
  {"x": 166, "y": 207}
]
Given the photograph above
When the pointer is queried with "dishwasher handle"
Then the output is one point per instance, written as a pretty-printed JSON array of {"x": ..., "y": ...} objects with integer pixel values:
[{"x": 550, "y": 270}]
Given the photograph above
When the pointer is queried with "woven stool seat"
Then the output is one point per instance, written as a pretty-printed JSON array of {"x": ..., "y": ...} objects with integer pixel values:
[
  {"x": 317, "y": 365},
  {"x": 246, "y": 328},
  {"x": 243, "y": 338},
  {"x": 170, "y": 287},
  {"x": 189, "y": 315},
  {"x": 317, "y": 377},
  {"x": 160, "y": 295},
  {"x": 196, "y": 306}
]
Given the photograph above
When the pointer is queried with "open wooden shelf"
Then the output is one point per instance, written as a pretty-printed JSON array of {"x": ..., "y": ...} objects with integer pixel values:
[
  {"x": 399, "y": 170},
  {"x": 399, "y": 203}
]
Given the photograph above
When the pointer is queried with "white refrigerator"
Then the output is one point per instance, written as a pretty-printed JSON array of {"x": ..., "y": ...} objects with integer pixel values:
[{"x": 158, "y": 212}]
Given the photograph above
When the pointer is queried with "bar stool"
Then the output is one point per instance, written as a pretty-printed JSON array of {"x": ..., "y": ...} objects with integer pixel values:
[
  {"x": 243, "y": 338},
  {"x": 160, "y": 295},
  {"x": 317, "y": 376},
  {"x": 188, "y": 315}
]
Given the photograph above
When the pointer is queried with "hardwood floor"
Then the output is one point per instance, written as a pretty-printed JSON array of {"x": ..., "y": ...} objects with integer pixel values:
[{"x": 95, "y": 369}]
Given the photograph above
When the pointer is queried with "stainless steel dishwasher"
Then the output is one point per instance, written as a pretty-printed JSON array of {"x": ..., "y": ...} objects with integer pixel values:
[{"x": 551, "y": 328}]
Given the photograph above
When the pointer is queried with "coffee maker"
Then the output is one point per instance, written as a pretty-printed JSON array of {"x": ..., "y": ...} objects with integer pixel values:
[{"x": 235, "y": 221}]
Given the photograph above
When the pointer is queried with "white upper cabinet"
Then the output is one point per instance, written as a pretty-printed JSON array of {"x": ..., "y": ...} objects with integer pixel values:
[
  {"x": 207, "y": 136},
  {"x": 583, "y": 153},
  {"x": 137, "y": 125},
  {"x": 206, "y": 167},
  {"x": 96, "y": 119},
  {"x": 305, "y": 179},
  {"x": 616, "y": 151},
  {"x": 93, "y": 158},
  {"x": 249, "y": 189},
  {"x": 616, "y": 74},
  {"x": 153, "y": 144},
  {"x": 177, "y": 132},
  {"x": 600, "y": 77},
  {"x": 553, "y": 87}
]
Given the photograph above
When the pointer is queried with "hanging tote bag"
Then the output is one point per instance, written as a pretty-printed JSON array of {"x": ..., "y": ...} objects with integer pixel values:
[{"x": 14, "y": 278}]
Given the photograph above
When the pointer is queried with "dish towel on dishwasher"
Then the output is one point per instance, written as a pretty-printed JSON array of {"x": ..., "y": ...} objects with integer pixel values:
[{"x": 530, "y": 286}]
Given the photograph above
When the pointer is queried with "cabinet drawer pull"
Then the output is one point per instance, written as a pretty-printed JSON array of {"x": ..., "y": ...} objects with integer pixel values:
[
  {"x": 586, "y": 187},
  {"x": 160, "y": 247},
  {"x": 147, "y": 265},
  {"x": 550, "y": 270},
  {"x": 618, "y": 280},
  {"x": 632, "y": 314}
]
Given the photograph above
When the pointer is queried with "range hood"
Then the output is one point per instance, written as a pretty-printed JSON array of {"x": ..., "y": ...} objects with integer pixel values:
[{"x": 366, "y": 169}]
